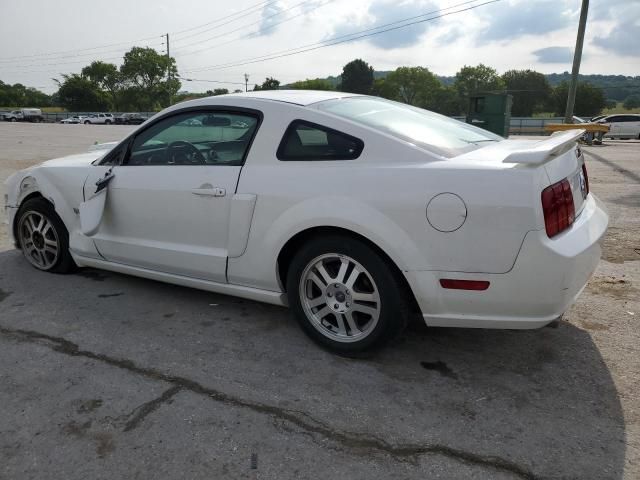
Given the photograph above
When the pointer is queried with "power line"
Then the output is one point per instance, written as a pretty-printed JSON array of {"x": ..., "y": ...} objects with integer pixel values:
[
  {"x": 130, "y": 42},
  {"x": 253, "y": 10},
  {"x": 269, "y": 27},
  {"x": 35, "y": 62},
  {"x": 244, "y": 26},
  {"x": 342, "y": 39},
  {"x": 210, "y": 81},
  {"x": 82, "y": 49}
]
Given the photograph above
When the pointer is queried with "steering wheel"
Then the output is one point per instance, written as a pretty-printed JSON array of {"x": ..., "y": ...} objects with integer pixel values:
[{"x": 194, "y": 151}]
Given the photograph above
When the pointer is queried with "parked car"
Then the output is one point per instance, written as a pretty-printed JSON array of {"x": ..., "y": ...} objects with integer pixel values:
[
  {"x": 130, "y": 119},
  {"x": 75, "y": 119},
  {"x": 25, "y": 115},
  {"x": 99, "y": 119},
  {"x": 354, "y": 211},
  {"x": 622, "y": 126}
]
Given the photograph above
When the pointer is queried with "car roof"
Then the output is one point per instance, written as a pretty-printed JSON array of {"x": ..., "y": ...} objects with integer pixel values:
[{"x": 298, "y": 97}]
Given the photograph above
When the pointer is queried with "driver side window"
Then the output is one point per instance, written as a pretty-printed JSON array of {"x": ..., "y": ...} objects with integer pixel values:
[{"x": 195, "y": 138}]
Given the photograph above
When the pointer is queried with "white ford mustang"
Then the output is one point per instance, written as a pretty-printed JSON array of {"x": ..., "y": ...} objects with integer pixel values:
[{"x": 353, "y": 210}]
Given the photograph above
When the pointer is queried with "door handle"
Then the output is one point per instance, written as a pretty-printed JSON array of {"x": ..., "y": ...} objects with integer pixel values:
[{"x": 209, "y": 192}]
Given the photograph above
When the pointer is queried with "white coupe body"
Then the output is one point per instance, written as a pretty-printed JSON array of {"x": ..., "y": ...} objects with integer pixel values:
[{"x": 458, "y": 214}]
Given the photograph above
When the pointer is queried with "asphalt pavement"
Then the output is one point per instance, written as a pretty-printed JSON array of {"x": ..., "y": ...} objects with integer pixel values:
[{"x": 108, "y": 376}]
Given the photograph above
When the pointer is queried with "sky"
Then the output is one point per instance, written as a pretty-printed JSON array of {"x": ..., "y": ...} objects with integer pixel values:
[{"x": 219, "y": 41}]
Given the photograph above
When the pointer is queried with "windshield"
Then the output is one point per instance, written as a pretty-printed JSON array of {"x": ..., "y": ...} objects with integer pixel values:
[{"x": 431, "y": 131}]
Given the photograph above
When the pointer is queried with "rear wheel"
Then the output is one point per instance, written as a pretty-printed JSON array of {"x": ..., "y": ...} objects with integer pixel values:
[
  {"x": 107, "y": 122},
  {"x": 345, "y": 295},
  {"x": 43, "y": 237},
  {"x": 87, "y": 122}
]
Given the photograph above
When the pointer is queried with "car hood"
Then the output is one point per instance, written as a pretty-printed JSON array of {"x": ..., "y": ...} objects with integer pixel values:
[
  {"x": 76, "y": 160},
  {"x": 79, "y": 159}
]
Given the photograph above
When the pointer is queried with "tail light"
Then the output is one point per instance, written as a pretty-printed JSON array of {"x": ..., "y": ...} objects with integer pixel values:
[
  {"x": 557, "y": 206},
  {"x": 477, "y": 285},
  {"x": 586, "y": 179}
]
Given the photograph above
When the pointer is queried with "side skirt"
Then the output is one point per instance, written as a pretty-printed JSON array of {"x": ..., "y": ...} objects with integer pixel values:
[{"x": 266, "y": 296}]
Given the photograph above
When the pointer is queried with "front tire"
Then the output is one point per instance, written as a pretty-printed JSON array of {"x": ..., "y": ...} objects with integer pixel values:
[
  {"x": 345, "y": 296},
  {"x": 43, "y": 238},
  {"x": 87, "y": 122}
]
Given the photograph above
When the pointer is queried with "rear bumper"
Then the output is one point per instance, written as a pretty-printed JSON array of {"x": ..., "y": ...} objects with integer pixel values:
[{"x": 546, "y": 278}]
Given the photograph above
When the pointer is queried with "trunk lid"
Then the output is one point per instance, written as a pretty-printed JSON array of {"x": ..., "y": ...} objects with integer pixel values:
[{"x": 558, "y": 155}]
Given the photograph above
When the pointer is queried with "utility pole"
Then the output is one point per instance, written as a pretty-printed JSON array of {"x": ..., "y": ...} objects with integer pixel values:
[
  {"x": 577, "y": 57},
  {"x": 246, "y": 82},
  {"x": 168, "y": 69}
]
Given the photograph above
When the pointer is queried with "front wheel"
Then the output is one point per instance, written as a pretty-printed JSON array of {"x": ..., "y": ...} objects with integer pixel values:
[
  {"x": 87, "y": 122},
  {"x": 345, "y": 295},
  {"x": 43, "y": 237}
]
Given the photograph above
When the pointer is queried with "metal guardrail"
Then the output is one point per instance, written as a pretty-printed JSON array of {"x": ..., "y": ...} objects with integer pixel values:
[
  {"x": 531, "y": 126},
  {"x": 526, "y": 125}
]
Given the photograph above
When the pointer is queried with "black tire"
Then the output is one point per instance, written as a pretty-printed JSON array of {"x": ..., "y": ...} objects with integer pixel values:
[
  {"x": 87, "y": 122},
  {"x": 107, "y": 122},
  {"x": 64, "y": 262},
  {"x": 393, "y": 301},
  {"x": 13, "y": 120}
]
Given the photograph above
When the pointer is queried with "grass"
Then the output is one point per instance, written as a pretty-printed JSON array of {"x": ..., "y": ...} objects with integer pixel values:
[{"x": 619, "y": 109}]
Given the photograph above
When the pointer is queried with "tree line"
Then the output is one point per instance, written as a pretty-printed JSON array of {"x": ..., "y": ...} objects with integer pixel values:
[
  {"x": 148, "y": 81},
  {"x": 420, "y": 87}
]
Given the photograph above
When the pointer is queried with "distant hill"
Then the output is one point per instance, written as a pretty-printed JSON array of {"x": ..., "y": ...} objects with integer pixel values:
[{"x": 616, "y": 87}]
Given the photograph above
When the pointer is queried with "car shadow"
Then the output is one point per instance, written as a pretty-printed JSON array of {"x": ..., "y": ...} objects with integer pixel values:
[{"x": 543, "y": 400}]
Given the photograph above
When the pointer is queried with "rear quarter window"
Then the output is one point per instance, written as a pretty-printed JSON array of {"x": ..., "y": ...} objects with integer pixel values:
[{"x": 306, "y": 141}]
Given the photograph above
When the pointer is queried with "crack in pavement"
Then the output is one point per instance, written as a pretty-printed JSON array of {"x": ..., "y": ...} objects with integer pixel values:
[
  {"x": 149, "y": 407},
  {"x": 351, "y": 440}
]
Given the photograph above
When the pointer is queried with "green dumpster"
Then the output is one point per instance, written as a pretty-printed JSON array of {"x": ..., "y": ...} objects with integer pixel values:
[{"x": 491, "y": 111}]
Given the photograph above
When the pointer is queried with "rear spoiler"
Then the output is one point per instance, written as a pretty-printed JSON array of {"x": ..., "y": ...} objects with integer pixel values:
[{"x": 545, "y": 150}]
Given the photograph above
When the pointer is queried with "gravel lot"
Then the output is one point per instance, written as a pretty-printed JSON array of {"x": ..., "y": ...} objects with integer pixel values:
[{"x": 108, "y": 376}]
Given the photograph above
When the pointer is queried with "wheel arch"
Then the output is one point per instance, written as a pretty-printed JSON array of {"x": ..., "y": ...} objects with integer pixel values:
[
  {"x": 289, "y": 249},
  {"x": 26, "y": 198}
]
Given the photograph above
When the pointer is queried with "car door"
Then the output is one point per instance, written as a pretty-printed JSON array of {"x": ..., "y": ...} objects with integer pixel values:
[
  {"x": 631, "y": 126},
  {"x": 168, "y": 203},
  {"x": 615, "y": 125}
]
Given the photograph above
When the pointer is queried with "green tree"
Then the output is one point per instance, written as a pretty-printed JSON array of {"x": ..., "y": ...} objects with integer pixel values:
[
  {"x": 149, "y": 78},
  {"x": 384, "y": 89},
  {"x": 268, "y": 84},
  {"x": 413, "y": 85},
  {"x": 312, "y": 84},
  {"x": 447, "y": 102},
  {"x": 17, "y": 95},
  {"x": 477, "y": 79},
  {"x": 632, "y": 101},
  {"x": 357, "y": 77},
  {"x": 530, "y": 91},
  {"x": 79, "y": 94},
  {"x": 107, "y": 77},
  {"x": 589, "y": 99}
]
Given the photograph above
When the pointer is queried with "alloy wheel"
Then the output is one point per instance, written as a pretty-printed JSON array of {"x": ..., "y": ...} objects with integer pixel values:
[
  {"x": 39, "y": 240},
  {"x": 339, "y": 297}
]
